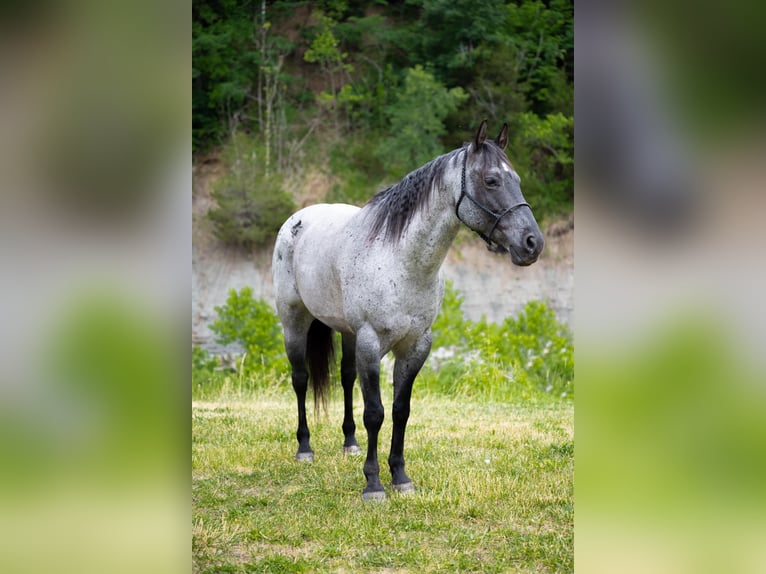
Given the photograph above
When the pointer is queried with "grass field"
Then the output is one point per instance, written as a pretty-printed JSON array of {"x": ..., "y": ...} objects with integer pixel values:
[{"x": 494, "y": 489}]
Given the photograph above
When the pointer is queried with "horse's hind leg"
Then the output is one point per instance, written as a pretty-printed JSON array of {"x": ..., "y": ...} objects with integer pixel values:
[
  {"x": 406, "y": 368},
  {"x": 348, "y": 377},
  {"x": 295, "y": 345}
]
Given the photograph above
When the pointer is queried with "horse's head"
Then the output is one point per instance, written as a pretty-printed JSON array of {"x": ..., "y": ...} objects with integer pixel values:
[{"x": 491, "y": 203}]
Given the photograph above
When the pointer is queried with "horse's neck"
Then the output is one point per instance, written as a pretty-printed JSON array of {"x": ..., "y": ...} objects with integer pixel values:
[{"x": 427, "y": 240}]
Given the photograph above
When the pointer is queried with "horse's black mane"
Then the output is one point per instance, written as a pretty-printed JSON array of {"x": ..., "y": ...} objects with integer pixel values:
[{"x": 392, "y": 209}]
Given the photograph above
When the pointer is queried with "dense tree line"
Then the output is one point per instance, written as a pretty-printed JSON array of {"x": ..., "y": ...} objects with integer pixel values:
[{"x": 379, "y": 87}]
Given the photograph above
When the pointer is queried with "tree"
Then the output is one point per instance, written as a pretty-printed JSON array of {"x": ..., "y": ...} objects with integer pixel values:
[
  {"x": 416, "y": 127},
  {"x": 543, "y": 39},
  {"x": 544, "y": 152},
  {"x": 325, "y": 52},
  {"x": 222, "y": 66},
  {"x": 449, "y": 33},
  {"x": 237, "y": 68}
]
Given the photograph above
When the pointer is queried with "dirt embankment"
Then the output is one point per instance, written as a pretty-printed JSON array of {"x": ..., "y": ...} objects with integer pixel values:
[{"x": 490, "y": 284}]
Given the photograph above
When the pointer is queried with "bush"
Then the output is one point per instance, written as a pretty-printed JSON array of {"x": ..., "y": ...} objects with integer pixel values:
[
  {"x": 524, "y": 356},
  {"x": 252, "y": 324},
  {"x": 251, "y": 204}
]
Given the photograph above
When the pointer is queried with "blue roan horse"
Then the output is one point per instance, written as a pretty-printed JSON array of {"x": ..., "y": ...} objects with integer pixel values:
[{"x": 373, "y": 274}]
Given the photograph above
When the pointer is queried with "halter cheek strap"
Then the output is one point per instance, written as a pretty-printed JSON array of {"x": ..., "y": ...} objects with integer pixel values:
[{"x": 491, "y": 244}]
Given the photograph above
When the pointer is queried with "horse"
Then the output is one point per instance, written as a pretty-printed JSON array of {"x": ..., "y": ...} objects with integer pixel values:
[{"x": 373, "y": 274}]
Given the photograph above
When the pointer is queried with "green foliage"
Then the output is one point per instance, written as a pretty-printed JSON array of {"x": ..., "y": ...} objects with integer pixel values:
[
  {"x": 232, "y": 50},
  {"x": 553, "y": 133},
  {"x": 543, "y": 150},
  {"x": 325, "y": 51},
  {"x": 219, "y": 75},
  {"x": 253, "y": 324},
  {"x": 358, "y": 170},
  {"x": 526, "y": 355},
  {"x": 251, "y": 204},
  {"x": 207, "y": 374},
  {"x": 540, "y": 347},
  {"x": 369, "y": 42},
  {"x": 409, "y": 79},
  {"x": 543, "y": 40},
  {"x": 449, "y": 33},
  {"x": 324, "y": 48},
  {"x": 335, "y": 9},
  {"x": 202, "y": 361},
  {"x": 450, "y": 327},
  {"x": 494, "y": 91},
  {"x": 415, "y": 127}
]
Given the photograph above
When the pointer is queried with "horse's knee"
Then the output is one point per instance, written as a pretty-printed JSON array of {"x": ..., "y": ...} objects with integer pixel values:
[
  {"x": 401, "y": 415},
  {"x": 300, "y": 381},
  {"x": 373, "y": 416}
]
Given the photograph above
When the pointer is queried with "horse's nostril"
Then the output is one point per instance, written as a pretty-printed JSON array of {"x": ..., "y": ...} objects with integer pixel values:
[{"x": 531, "y": 242}]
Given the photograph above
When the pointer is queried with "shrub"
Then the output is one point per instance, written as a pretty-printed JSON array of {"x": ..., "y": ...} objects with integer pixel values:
[
  {"x": 251, "y": 204},
  {"x": 524, "y": 357},
  {"x": 521, "y": 357},
  {"x": 252, "y": 324}
]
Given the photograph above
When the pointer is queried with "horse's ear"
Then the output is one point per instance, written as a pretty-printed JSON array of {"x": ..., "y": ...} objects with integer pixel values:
[
  {"x": 502, "y": 138},
  {"x": 481, "y": 134}
]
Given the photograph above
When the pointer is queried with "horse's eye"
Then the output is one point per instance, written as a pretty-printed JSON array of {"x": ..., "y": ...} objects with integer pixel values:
[{"x": 491, "y": 181}]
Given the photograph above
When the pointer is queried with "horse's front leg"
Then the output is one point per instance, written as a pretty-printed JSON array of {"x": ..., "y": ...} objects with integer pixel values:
[
  {"x": 407, "y": 366},
  {"x": 368, "y": 366}
]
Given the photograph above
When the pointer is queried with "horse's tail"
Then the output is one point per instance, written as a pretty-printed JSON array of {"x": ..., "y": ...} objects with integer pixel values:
[{"x": 320, "y": 355}]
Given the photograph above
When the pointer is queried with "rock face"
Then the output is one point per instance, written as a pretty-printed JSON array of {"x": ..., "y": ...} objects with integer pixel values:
[
  {"x": 490, "y": 284},
  {"x": 214, "y": 273}
]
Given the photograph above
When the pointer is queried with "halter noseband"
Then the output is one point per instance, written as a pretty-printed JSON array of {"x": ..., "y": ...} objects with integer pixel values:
[{"x": 491, "y": 245}]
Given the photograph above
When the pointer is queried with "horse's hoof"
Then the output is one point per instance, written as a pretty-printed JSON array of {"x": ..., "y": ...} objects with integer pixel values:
[
  {"x": 353, "y": 449},
  {"x": 305, "y": 457},
  {"x": 374, "y": 496},
  {"x": 406, "y": 488}
]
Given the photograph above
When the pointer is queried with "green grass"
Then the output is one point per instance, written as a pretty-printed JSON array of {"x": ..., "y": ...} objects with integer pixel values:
[{"x": 495, "y": 489}]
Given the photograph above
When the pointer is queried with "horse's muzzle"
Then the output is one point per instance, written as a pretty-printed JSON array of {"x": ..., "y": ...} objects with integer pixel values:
[{"x": 529, "y": 250}]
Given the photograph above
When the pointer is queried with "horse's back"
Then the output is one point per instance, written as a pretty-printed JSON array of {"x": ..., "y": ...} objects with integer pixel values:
[{"x": 315, "y": 223}]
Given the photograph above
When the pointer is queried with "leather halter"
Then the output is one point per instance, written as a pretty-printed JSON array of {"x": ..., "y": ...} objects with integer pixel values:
[{"x": 491, "y": 245}]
